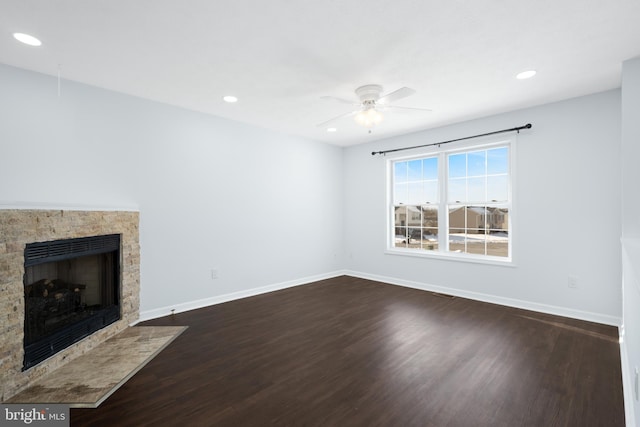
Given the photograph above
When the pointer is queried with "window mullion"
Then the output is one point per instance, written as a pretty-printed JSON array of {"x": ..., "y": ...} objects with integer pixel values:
[{"x": 443, "y": 218}]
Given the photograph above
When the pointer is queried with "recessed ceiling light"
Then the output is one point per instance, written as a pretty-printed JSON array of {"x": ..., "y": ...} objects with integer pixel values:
[
  {"x": 526, "y": 74},
  {"x": 27, "y": 39},
  {"x": 230, "y": 98},
  {"x": 332, "y": 129}
]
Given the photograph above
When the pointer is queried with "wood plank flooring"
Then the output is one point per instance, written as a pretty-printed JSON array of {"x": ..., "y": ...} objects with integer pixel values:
[{"x": 353, "y": 352}]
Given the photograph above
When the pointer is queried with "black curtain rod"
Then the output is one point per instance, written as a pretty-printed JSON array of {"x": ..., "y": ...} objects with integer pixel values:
[{"x": 516, "y": 129}]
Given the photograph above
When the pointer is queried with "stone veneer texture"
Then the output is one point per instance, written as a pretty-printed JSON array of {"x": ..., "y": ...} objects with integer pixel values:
[{"x": 21, "y": 226}]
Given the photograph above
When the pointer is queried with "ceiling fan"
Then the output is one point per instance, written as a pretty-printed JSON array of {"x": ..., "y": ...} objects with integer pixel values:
[{"x": 371, "y": 105}]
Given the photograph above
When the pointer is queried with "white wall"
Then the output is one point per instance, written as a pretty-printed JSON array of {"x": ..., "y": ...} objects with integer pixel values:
[
  {"x": 266, "y": 208},
  {"x": 567, "y": 208},
  {"x": 631, "y": 234},
  {"x": 261, "y": 207}
]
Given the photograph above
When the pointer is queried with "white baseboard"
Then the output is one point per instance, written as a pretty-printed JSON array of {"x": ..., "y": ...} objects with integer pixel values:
[
  {"x": 510, "y": 302},
  {"x": 628, "y": 379},
  {"x": 218, "y": 299}
]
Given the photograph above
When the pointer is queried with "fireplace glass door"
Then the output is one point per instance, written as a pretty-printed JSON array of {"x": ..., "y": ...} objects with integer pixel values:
[{"x": 71, "y": 290}]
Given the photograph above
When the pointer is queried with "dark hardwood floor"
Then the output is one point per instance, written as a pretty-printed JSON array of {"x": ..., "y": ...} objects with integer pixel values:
[{"x": 353, "y": 352}]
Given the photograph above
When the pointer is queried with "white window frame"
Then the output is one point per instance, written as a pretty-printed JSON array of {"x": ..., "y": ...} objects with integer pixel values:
[{"x": 443, "y": 216}]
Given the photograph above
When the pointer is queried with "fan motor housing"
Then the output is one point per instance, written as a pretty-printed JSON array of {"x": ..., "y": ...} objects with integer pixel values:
[{"x": 369, "y": 92}]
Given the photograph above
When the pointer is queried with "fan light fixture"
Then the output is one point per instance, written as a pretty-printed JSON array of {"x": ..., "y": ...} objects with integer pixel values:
[{"x": 369, "y": 117}]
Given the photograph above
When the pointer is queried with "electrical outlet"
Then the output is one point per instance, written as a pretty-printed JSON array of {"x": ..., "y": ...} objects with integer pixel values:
[
  {"x": 573, "y": 282},
  {"x": 214, "y": 273}
]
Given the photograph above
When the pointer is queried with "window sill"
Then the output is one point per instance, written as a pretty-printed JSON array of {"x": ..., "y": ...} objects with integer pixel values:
[{"x": 457, "y": 257}]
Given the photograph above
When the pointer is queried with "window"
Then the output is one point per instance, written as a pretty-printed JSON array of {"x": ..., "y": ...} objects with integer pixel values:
[{"x": 456, "y": 203}]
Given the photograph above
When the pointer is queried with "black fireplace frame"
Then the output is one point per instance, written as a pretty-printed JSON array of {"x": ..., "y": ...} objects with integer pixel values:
[{"x": 60, "y": 250}]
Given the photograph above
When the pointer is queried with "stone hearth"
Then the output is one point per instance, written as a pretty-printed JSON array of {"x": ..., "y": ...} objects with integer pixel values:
[{"x": 21, "y": 226}]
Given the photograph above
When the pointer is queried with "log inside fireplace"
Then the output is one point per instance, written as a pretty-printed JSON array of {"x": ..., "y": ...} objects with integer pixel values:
[{"x": 72, "y": 289}]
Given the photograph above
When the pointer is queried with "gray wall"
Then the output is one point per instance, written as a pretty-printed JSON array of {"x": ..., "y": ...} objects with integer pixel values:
[
  {"x": 265, "y": 208},
  {"x": 631, "y": 148},
  {"x": 261, "y": 207},
  {"x": 566, "y": 208}
]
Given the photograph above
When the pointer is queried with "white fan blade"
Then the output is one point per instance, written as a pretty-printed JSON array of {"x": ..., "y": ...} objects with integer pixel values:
[
  {"x": 341, "y": 116},
  {"x": 341, "y": 100},
  {"x": 403, "y": 92},
  {"x": 394, "y": 107}
]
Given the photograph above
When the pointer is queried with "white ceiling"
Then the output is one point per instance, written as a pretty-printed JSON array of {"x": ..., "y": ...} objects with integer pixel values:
[{"x": 281, "y": 56}]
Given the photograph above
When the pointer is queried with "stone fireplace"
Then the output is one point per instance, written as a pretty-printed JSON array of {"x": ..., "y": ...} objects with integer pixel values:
[{"x": 89, "y": 285}]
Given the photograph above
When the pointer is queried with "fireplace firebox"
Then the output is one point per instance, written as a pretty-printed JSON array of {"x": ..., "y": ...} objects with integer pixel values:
[{"x": 71, "y": 289}]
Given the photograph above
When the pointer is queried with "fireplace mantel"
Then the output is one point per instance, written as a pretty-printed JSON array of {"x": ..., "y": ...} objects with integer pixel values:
[{"x": 21, "y": 226}]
